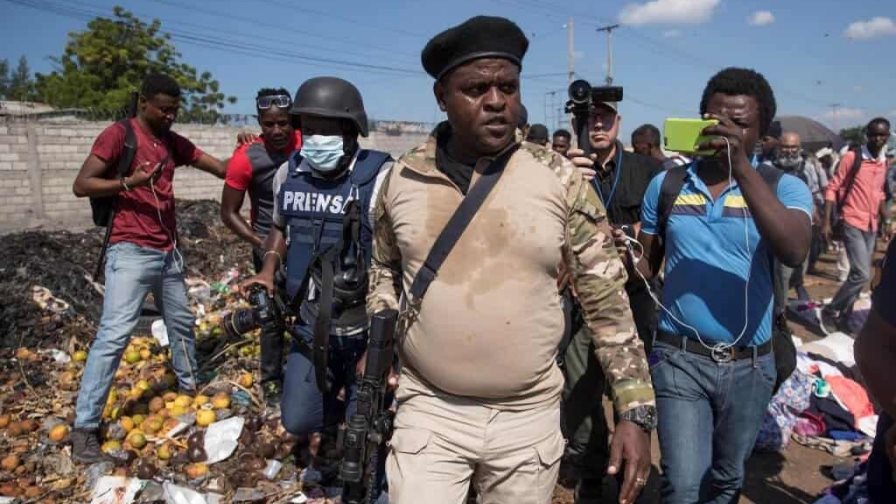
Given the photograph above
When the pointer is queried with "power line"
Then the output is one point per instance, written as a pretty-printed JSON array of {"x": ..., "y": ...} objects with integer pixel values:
[
  {"x": 222, "y": 44},
  {"x": 290, "y": 30}
]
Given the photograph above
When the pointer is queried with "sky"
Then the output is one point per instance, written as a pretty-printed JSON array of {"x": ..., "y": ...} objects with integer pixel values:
[{"x": 815, "y": 53}]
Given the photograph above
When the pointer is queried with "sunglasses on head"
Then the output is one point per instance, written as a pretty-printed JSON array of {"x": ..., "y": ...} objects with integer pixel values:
[{"x": 266, "y": 102}]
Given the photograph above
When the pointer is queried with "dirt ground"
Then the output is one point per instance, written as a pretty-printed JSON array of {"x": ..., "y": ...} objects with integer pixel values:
[{"x": 793, "y": 476}]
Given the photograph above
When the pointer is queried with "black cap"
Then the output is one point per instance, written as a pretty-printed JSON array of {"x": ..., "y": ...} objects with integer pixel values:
[
  {"x": 538, "y": 132},
  {"x": 475, "y": 38},
  {"x": 331, "y": 97}
]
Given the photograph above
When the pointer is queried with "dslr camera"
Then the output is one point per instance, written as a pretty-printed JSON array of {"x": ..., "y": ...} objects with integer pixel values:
[{"x": 265, "y": 309}]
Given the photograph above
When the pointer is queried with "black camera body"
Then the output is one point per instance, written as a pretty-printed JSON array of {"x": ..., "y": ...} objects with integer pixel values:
[
  {"x": 582, "y": 98},
  {"x": 265, "y": 310},
  {"x": 583, "y": 95}
]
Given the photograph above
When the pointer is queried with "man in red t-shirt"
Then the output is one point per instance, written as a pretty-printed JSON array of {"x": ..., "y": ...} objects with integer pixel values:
[
  {"x": 142, "y": 255},
  {"x": 252, "y": 168}
]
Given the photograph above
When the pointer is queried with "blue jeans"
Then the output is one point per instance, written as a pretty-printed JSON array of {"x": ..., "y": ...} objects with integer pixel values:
[
  {"x": 132, "y": 272},
  {"x": 709, "y": 416},
  {"x": 304, "y": 409},
  {"x": 859, "y": 250}
]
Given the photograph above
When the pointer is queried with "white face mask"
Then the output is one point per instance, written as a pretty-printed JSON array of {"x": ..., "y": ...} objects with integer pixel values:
[{"x": 323, "y": 152}]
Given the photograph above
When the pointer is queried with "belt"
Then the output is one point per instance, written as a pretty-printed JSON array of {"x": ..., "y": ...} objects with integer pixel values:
[{"x": 718, "y": 354}]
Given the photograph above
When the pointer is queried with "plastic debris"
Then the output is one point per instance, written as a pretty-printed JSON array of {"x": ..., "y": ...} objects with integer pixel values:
[{"x": 222, "y": 438}]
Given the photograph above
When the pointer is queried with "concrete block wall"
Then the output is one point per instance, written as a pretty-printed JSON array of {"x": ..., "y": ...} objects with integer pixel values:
[{"x": 39, "y": 161}]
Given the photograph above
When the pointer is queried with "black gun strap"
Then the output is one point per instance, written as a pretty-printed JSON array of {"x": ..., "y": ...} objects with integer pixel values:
[
  {"x": 458, "y": 224},
  {"x": 321, "y": 342}
]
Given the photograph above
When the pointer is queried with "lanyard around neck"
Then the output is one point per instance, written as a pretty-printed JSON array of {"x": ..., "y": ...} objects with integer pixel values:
[{"x": 597, "y": 184}]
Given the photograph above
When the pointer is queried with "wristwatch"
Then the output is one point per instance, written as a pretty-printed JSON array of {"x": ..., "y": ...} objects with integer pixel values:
[{"x": 642, "y": 416}]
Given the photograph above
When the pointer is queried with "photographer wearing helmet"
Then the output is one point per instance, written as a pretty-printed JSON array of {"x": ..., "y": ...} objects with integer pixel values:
[{"x": 322, "y": 232}]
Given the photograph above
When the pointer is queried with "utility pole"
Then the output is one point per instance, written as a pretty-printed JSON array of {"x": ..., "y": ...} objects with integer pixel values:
[
  {"x": 609, "y": 29},
  {"x": 570, "y": 51}
]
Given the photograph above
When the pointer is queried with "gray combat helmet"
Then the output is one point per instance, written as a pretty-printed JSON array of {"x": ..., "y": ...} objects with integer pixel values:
[{"x": 331, "y": 97}]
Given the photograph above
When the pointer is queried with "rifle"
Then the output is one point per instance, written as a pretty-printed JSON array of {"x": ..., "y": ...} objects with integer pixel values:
[
  {"x": 363, "y": 438},
  {"x": 124, "y": 164}
]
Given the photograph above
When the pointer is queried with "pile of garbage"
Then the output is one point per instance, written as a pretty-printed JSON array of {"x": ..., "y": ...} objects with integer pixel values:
[{"x": 220, "y": 445}]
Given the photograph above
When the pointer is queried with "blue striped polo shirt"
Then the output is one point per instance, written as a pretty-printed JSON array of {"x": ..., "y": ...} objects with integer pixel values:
[{"x": 708, "y": 258}]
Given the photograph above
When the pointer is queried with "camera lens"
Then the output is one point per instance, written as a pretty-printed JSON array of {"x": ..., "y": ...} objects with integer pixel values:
[
  {"x": 240, "y": 322},
  {"x": 580, "y": 91}
]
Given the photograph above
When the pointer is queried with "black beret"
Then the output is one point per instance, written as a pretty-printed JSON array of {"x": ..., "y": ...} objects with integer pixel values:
[
  {"x": 475, "y": 38},
  {"x": 538, "y": 132}
]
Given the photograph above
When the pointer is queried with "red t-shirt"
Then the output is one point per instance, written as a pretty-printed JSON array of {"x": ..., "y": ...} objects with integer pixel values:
[
  {"x": 257, "y": 178},
  {"x": 138, "y": 210}
]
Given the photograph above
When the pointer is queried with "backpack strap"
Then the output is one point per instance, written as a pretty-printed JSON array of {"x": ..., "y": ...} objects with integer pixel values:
[
  {"x": 104, "y": 209},
  {"x": 671, "y": 187},
  {"x": 130, "y": 149},
  {"x": 771, "y": 175},
  {"x": 850, "y": 177}
]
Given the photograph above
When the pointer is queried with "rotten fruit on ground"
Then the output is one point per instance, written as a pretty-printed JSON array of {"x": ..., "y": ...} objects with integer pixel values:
[
  {"x": 205, "y": 417},
  {"x": 132, "y": 356},
  {"x": 183, "y": 400},
  {"x": 246, "y": 380},
  {"x": 196, "y": 470},
  {"x": 152, "y": 424},
  {"x": 58, "y": 433},
  {"x": 165, "y": 451},
  {"x": 221, "y": 400},
  {"x": 127, "y": 424},
  {"x": 137, "y": 439},
  {"x": 177, "y": 410},
  {"x": 10, "y": 462},
  {"x": 28, "y": 425},
  {"x": 79, "y": 356},
  {"x": 156, "y": 404},
  {"x": 111, "y": 446},
  {"x": 144, "y": 469}
]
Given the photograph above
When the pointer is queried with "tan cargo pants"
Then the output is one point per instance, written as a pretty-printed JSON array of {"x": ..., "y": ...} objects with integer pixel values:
[{"x": 441, "y": 444}]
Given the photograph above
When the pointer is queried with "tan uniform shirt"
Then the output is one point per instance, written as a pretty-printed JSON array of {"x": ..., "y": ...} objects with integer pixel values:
[{"x": 491, "y": 321}]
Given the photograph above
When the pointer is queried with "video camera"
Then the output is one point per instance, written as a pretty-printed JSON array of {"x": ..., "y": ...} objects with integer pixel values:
[
  {"x": 582, "y": 98},
  {"x": 265, "y": 309}
]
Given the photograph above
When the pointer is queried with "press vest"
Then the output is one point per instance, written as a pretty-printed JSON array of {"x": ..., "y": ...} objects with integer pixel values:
[{"x": 314, "y": 211}]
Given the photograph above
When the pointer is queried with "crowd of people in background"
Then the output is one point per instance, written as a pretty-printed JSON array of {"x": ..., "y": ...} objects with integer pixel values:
[{"x": 670, "y": 274}]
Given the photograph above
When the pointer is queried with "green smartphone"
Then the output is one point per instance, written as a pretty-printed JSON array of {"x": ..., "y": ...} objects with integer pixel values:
[{"x": 684, "y": 135}]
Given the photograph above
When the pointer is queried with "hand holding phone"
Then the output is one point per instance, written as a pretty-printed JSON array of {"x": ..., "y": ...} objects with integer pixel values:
[{"x": 685, "y": 135}]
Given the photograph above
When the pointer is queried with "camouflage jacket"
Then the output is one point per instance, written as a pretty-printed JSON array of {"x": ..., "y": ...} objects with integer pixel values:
[{"x": 548, "y": 212}]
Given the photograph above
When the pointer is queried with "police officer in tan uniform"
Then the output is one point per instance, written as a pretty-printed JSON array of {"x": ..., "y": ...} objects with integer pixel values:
[{"x": 479, "y": 393}]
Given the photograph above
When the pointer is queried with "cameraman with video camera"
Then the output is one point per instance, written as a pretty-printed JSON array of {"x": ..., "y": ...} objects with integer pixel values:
[
  {"x": 620, "y": 179},
  {"x": 322, "y": 232}
]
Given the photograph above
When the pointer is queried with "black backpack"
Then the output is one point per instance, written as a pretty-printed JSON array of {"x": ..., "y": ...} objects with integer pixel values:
[
  {"x": 103, "y": 208},
  {"x": 782, "y": 343}
]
